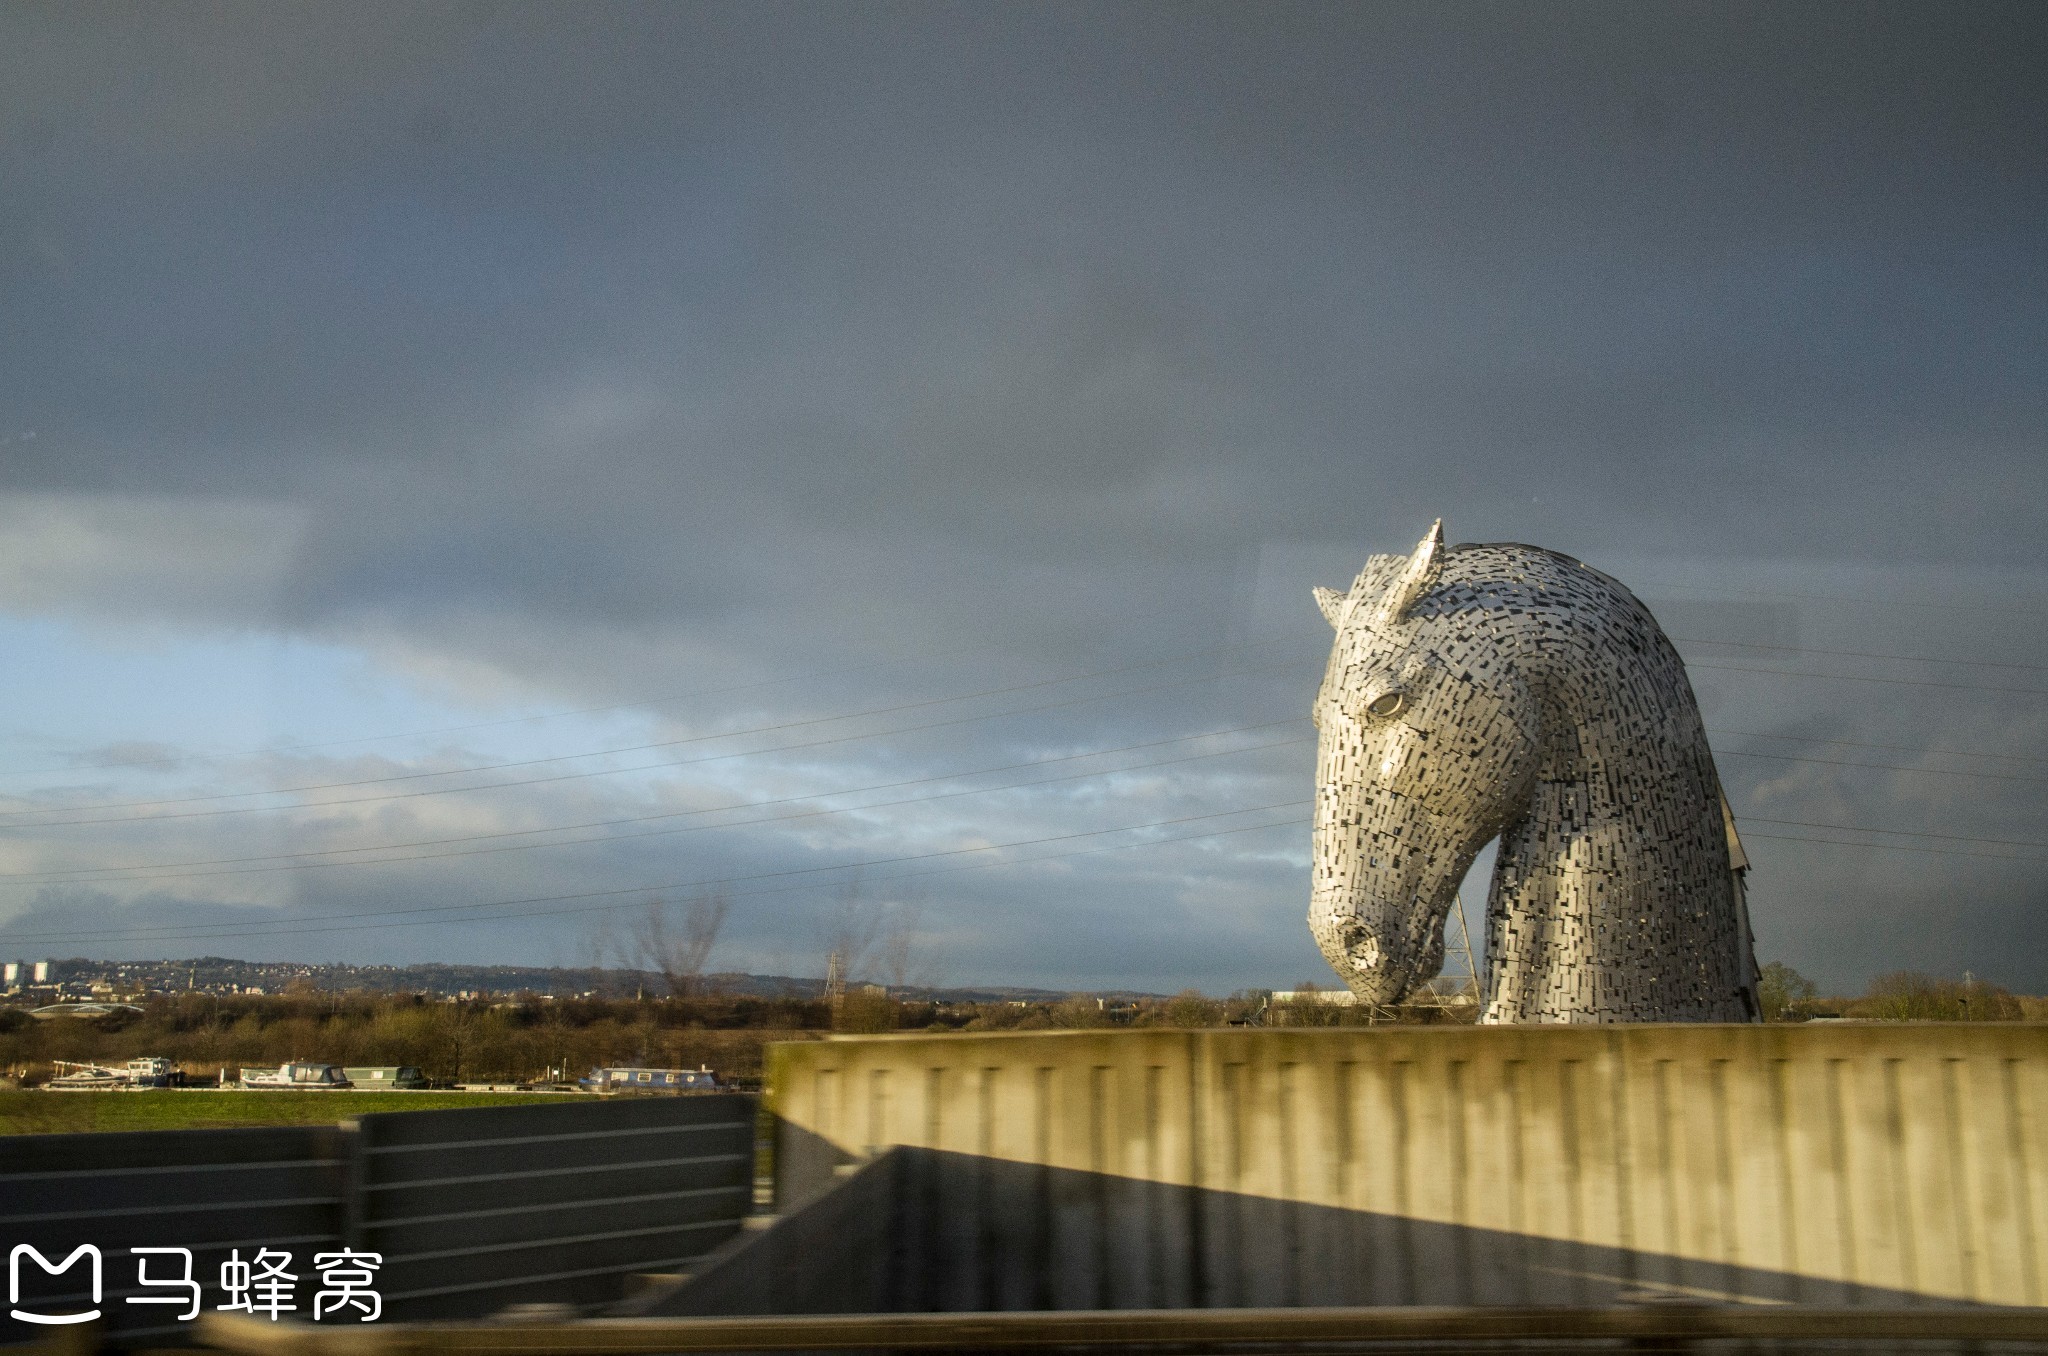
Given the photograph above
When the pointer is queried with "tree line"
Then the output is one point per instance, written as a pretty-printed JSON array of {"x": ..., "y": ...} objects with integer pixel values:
[
  {"x": 521, "y": 1038},
  {"x": 529, "y": 1037}
]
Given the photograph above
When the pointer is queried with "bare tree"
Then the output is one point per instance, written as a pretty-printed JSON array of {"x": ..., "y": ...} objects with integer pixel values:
[
  {"x": 873, "y": 938},
  {"x": 900, "y": 948},
  {"x": 851, "y": 930},
  {"x": 602, "y": 949},
  {"x": 675, "y": 940}
]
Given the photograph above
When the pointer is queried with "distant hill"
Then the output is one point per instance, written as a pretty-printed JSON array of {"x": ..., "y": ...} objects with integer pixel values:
[{"x": 218, "y": 974}]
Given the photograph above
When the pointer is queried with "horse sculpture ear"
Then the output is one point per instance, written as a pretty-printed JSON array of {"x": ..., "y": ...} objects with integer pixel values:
[
  {"x": 1417, "y": 577},
  {"x": 1332, "y": 604}
]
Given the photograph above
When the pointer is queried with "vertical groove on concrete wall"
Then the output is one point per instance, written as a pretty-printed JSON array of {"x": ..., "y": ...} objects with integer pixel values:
[
  {"x": 2023, "y": 1178},
  {"x": 1040, "y": 1271},
  {"x": 1343, "y": 1184},
  {"x": 1194, "y": 1047},
  {"x": 1231, "y": 1240},
  {"x": 1101, "y": 1165},
  {"x": 1901, "y": 1177},
  {"x": 1460, "y": 1174},
  {"x": 1622, "y": 1122},
  {"x": 1343, "y": 1161},
  {"x": 878, "y": 1111},
  {"x": 1959, "y": 1180},
  {"x": 1668, "y": 1266},
  {"x": 1838, "y": 1154},
  {"x": 1570, "y": 1134},
  {"x": 989, "y": 1225},
  {"x": 1518, "y": 1177},
  {"x": 1781, "y": 1142},
  {"x": 1154, "y": 1281},
  {"x": 1729, "y": 1249},
  {"x": 940, "y": 1254},
  {"x": 1290, "y": 1187},
  {"x": 1667, "y": 1167},
  {"x": 1404, "y": 1177}
]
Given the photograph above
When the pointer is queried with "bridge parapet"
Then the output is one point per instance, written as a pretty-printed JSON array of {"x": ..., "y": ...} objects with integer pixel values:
[{"x": 1836, "y": 1164}]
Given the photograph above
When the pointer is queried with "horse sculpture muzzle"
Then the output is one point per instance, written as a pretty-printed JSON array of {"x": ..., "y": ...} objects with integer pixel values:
[{"x": 1378, "y": 915}]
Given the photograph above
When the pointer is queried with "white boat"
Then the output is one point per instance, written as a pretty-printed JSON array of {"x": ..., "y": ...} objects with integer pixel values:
[
  {"x": 87, "y": 1078},
  {"x": 148, "y": 1071},
  {"x": 300, "y": 1075}
]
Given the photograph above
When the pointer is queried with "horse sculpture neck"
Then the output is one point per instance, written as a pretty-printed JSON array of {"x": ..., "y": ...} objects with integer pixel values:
[{"x": 1612, "y": 894}]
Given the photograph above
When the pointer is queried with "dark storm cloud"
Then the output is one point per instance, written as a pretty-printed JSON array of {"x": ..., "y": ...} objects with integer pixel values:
[{"x": 579, "y": 349}]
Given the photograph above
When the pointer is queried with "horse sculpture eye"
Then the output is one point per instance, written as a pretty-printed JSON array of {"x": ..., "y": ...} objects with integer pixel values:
[{"x": 1387, "y": 704}]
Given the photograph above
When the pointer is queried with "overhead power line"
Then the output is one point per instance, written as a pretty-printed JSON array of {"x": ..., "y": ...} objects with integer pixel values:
[
  {"x": 85, "y": 875},
  {"x": 411, "y": 916},
  {"x": 649, "y": 746},
  {"x": 579, "y": 904},
  {"x": 642, "y": 767},
  {"x": 1866, "y": 678},
  {"x": 670, "y": 698},
  {"x": 1900, "y": 833},
  {"x": 2004, "y": 613},
  {"x": 313, "y": 858},
  {"x": 179, "y": 870},
  {"x": 1865, "y": 654},
  {"x": 772, "y": 728},
  {"x": 1860, "y": 744},
  {"x": 1895, "y": 847},
  {"x": 637, "y": 704},
  {"x": 634, "y": 705},
  {"x": 1883, "y": 767}
]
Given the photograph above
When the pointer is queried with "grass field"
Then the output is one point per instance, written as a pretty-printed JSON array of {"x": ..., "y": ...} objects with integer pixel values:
[{"x": 55, "y": 1113}]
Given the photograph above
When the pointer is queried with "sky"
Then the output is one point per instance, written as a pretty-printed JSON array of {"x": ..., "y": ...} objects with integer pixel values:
[{"x": 468, "y": 470}]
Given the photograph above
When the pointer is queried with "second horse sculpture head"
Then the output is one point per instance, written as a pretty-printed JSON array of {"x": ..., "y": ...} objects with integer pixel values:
[{"x": 1506, "y": 691}]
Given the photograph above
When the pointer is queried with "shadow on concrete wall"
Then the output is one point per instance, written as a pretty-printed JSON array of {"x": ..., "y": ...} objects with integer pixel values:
[{"x": 922, "y": 1230}]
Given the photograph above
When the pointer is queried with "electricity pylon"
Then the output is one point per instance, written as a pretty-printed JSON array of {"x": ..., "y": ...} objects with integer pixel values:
[{"x": 1453, "y": 983}]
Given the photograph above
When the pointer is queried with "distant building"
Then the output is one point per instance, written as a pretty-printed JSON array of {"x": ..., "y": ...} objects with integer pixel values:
[
  {"x": 1333, "y": 997},
  {"x": 18, "y": 973}
]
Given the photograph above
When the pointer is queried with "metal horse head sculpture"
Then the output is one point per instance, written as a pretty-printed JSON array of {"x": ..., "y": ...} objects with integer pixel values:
[{"x": 1508, "y": 691}]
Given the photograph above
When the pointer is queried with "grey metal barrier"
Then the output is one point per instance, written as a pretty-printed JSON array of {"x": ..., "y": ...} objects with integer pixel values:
[
  {"x": 471, "y": 1210},
  {"x": 209, "y": 1191}
]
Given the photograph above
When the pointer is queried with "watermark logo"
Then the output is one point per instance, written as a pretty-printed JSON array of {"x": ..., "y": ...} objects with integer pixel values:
[
  {"x": 21, "y": 1250},
  {"x": 263, "y": 1284}
]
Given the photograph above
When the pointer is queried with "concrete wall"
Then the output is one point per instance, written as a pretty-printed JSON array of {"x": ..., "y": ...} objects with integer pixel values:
[{"x": 1819, "y": 1164}]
